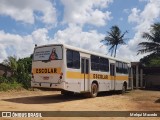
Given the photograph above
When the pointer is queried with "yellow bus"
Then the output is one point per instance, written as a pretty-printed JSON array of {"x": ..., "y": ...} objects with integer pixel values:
[{"x": 74, "y": 70}]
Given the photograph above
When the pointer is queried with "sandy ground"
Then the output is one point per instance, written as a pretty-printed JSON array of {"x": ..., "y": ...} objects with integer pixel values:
[{"x": 136, "y": 100}]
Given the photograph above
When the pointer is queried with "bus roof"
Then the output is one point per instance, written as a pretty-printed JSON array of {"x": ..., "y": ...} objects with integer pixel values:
[{"x": 86, "y": 51}]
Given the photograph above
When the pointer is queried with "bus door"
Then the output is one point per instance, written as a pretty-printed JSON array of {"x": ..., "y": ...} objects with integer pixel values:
[
  {"x": 112, "y": 74},
  {"x": 85, "y": 73}
]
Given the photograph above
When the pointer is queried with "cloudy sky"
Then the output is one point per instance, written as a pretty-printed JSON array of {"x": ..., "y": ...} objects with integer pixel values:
[{"x": 81, "y": 23}]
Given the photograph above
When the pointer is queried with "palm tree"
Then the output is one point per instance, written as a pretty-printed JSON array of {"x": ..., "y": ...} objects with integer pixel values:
[
  {"x": 113, "y": 39},
  {"x": 153, "y": 44}
]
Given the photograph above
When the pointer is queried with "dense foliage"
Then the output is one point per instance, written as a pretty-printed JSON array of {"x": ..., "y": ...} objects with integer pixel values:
[
  {"x": 152, "y": 46},
  {"x": 152, "y": 60},
  {"x": 21, "y": 73}
]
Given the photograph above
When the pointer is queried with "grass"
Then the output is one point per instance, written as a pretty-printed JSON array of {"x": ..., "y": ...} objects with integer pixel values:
[{"x": 10, "y": 86}]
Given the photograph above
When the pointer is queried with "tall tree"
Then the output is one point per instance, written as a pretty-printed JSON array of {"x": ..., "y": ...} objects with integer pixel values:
[
  {"x": 151, "y": 60},
  {"x": 11, "y": 62},
  {"x": 153, "y": 38},
  {"x": 21, "y": 69},
  {"x": 114, "y": 38}
]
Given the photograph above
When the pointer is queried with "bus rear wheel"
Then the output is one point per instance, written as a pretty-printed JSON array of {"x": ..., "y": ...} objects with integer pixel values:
[
  {"x": 94, "y": 90},
  {"x": 123, "y": 89}
]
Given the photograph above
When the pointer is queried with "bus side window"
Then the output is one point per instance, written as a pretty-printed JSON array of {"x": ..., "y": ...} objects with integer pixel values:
[
  {"x": 103, "y": 64},
  {"x": 121, "y": 67},
  {"x": 117, "y": 67},
  {"x": 94, "y": 63},
  {"x": 73, "y": 59},
  {"x": 69, "y": 59},
  {"x": 126, "y": 69},
  {"x": 76, "y": 60}
]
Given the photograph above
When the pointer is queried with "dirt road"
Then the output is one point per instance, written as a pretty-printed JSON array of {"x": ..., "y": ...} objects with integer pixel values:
[{"x": 135, "y": 100}]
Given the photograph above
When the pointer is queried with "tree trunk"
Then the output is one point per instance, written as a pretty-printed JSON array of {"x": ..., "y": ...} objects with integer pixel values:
[
  {"x": 115, "y": 51},
  {"x": 112, "y": 51}
]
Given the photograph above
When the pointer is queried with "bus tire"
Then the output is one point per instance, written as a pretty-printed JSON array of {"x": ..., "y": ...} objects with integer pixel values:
[
  {"x": 123, "y": 89},
  {"x": 94, "y": 90}
]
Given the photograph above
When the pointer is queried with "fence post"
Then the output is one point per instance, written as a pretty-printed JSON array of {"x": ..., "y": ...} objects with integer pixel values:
[
  {"x": 131, "y": 78},
  {"x": 141, "y": 77},
  {"x": 137, "y": 77}
]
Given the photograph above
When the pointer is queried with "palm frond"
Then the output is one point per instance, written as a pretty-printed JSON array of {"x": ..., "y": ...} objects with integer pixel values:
[
  {"x": 154, "y": 40},
  {"x": 142, "y": 51},
  {"x": 148, "y": 47},
  {"x": 148, "y": 44},
  {"x": 123, "y": 34},
  {"x": 114, "y": 38},
  {"x": 148, "y": 36}
]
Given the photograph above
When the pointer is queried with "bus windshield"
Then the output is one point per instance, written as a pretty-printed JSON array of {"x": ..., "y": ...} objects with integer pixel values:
[{"x": 48, "y": 53}]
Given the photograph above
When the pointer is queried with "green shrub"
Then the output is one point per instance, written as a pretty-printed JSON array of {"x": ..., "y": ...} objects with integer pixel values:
[
  {"x": 15, "y": 82},
  {"x": 24, "y": 79},
  {"x": 4, "y": 87},
  {"x": 3, "y": 79},
  {"x": 16, "y": 86},
  {"x": 21, "y": 77}
]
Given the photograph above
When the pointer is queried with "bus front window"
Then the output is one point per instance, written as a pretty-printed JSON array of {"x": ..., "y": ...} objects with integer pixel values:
[{"x": 48, "y": 53}]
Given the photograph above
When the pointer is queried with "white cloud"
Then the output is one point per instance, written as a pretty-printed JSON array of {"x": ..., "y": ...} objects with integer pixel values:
[
  {"x": 143, "y": 19},
  {"x": 21, "y": 46},
  {"x": 86, "y": 11},
  {"x": 148, "y": 15},
  {"x": 129, "y": 51},
  {"x": 79, "y": 13},
  {"x": 24, "y": 10},
  {"x": 3, "y": 53},
  {"x": 151, "y": 11},
  {"x": 73, "y": 35},
  {"x": 40, "y": 36},
  {"x": 134, "y": 16}
]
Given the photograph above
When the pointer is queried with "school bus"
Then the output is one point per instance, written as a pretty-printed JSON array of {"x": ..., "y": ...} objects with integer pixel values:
[{"x": 75, "y": 70}]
